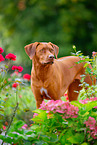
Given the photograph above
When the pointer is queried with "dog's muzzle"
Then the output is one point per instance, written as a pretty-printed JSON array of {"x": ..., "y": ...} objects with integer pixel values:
[
  {"x": 50, "y": 60},
  {"x": 51, "y": 57}
]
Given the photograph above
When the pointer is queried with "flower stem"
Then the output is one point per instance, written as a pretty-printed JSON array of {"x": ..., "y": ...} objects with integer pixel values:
[{"x": 14, "y": 112}]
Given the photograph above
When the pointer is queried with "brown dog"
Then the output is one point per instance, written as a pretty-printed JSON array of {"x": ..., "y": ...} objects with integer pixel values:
[{"x": 50, "y": 77}]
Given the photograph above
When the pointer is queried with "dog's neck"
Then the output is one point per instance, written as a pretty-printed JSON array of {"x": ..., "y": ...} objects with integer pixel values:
[{"x": 42, "y": 72}]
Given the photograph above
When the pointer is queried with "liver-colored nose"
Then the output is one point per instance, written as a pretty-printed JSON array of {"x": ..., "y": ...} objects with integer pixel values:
[{"x": 51, "y": 56}]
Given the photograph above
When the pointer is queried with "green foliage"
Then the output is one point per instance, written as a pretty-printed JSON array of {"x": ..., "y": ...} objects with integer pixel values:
[
  {"x": 90, "y": 65},
  {"x": 63, "y": 22},
  {"x": 49, "y": 125},
  {"x": 14, "y": 98},
  {"x": 65, "y": 131},
  {"x": 51, "y": 128}
]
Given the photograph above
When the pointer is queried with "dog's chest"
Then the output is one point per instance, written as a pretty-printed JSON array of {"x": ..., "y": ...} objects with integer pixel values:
[{"x": 44, "y": 91}]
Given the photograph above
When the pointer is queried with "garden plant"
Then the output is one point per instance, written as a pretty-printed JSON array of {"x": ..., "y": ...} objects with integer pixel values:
[{"x": 57, "y": 122}]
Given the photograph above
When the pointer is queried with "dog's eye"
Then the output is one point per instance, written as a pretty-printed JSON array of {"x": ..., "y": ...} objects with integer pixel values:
[
  {"x": 42, "y": 50},
  {"x": 51, "y": 50}
]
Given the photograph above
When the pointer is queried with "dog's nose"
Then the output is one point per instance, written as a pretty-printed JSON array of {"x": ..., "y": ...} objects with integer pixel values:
[{"x": 51, "y": 56}]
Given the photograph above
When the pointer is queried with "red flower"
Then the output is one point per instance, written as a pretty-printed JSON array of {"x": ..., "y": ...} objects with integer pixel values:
[
  {"x": 27, "y": 77},
  {"x": 14, "y": 67},
  {"x": 19, "y": 68},
  {"x": 1, "y": 50},
  {"x": 15, "y": 85},
  {"x": 66, "y": 95},
  {"x": 1, "y": 58},
  {"x": 11, "y": 56}
]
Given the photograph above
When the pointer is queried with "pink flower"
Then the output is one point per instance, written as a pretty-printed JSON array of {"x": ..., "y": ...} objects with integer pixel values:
[
  {"x": 24, "y": 126},
  {"x": 15, "y": 73},
  {"x": 4, "y": 127},
  {"x": 11, "y": 56},
  {"x": 15, "y": 85},
  {"x": 35, "y": 114},
  {"x": 64, "y": 108},
  {"x": 20, "y": 96},
  {"x": 19, "y": 68},
  {"x": 91, "y": 122},
  {"x": 88, "y": 100},
  {"x": 94, "y": 53},
  {"x": 84, "y": 101},
  {"x": 27, "y": 77},
  {"x": 91, "y": 125},
  {"x": 1, "y": 50},
  {"x": 1, "y": 58}
]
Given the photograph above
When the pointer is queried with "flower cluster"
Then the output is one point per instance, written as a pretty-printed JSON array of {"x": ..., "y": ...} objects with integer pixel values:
[
  {"x": 11, "y": 56},
  {"x": 65, "y": 108},
  {"x": 92, "y": 127},
  {"x": 88, "y": 100},
  {"x": 8, "y": 56},
  {"x": 18, "y": 68}
]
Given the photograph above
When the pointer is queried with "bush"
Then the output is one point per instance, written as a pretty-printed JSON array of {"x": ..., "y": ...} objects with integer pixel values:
[{"x": 67, "y": 123}]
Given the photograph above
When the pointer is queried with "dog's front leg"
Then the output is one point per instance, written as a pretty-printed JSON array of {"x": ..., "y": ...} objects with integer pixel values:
[
  {"x": 38, "y": 102},
  {"x": 38, "y": 97}
]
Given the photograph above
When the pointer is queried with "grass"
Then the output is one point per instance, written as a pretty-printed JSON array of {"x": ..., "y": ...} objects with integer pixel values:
[{"x": 26, "y": 104}]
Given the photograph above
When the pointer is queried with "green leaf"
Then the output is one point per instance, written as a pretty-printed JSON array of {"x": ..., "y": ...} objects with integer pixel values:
[
  {"x": 31, "y": 137},
  {"x": 38, "y": 111},
  {"x": 77, "y": 138},
  {"x": 95, "y": 72},
  {"x": 41, "y": 117},
  {"x": 85, "y": 143},
  {"x": 21, "y": 136},
  {"x": 34, "y": 126},
  {"x": 61, "y": 134},
  {"x": 19, "y": 124},
  {"x": 65, "y": 136},
  {"x": 6, "y": 139},
  {"x": 14, "y": 135},
  {"x": 86, "y": 64},
  {"x": 88, "y": 70},
  {"x": 87, "y": 107},
  {"x": 76, "y": 103}
]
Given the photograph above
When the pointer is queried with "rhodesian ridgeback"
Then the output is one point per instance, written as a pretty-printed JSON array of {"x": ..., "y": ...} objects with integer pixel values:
[{"x": 51, "y": 77}]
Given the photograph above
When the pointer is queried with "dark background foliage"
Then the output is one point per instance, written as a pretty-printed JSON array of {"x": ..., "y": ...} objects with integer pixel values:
[{"x": 63, "y": 22}]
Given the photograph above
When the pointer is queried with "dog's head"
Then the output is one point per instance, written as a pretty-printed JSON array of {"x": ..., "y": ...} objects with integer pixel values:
[{"x": 44, "y": 52}]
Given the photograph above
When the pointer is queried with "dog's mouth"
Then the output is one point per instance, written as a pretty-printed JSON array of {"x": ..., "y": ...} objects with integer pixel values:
[{"x": 49, "y": 62}]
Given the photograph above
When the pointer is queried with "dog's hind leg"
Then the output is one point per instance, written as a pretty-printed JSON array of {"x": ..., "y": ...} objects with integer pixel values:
[{"x": 73, "y": 90}]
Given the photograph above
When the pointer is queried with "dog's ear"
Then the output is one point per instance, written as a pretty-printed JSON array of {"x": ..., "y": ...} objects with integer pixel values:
[
  {"x": 31, "y": 49},
  {"x": 56, "y": 48}
]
